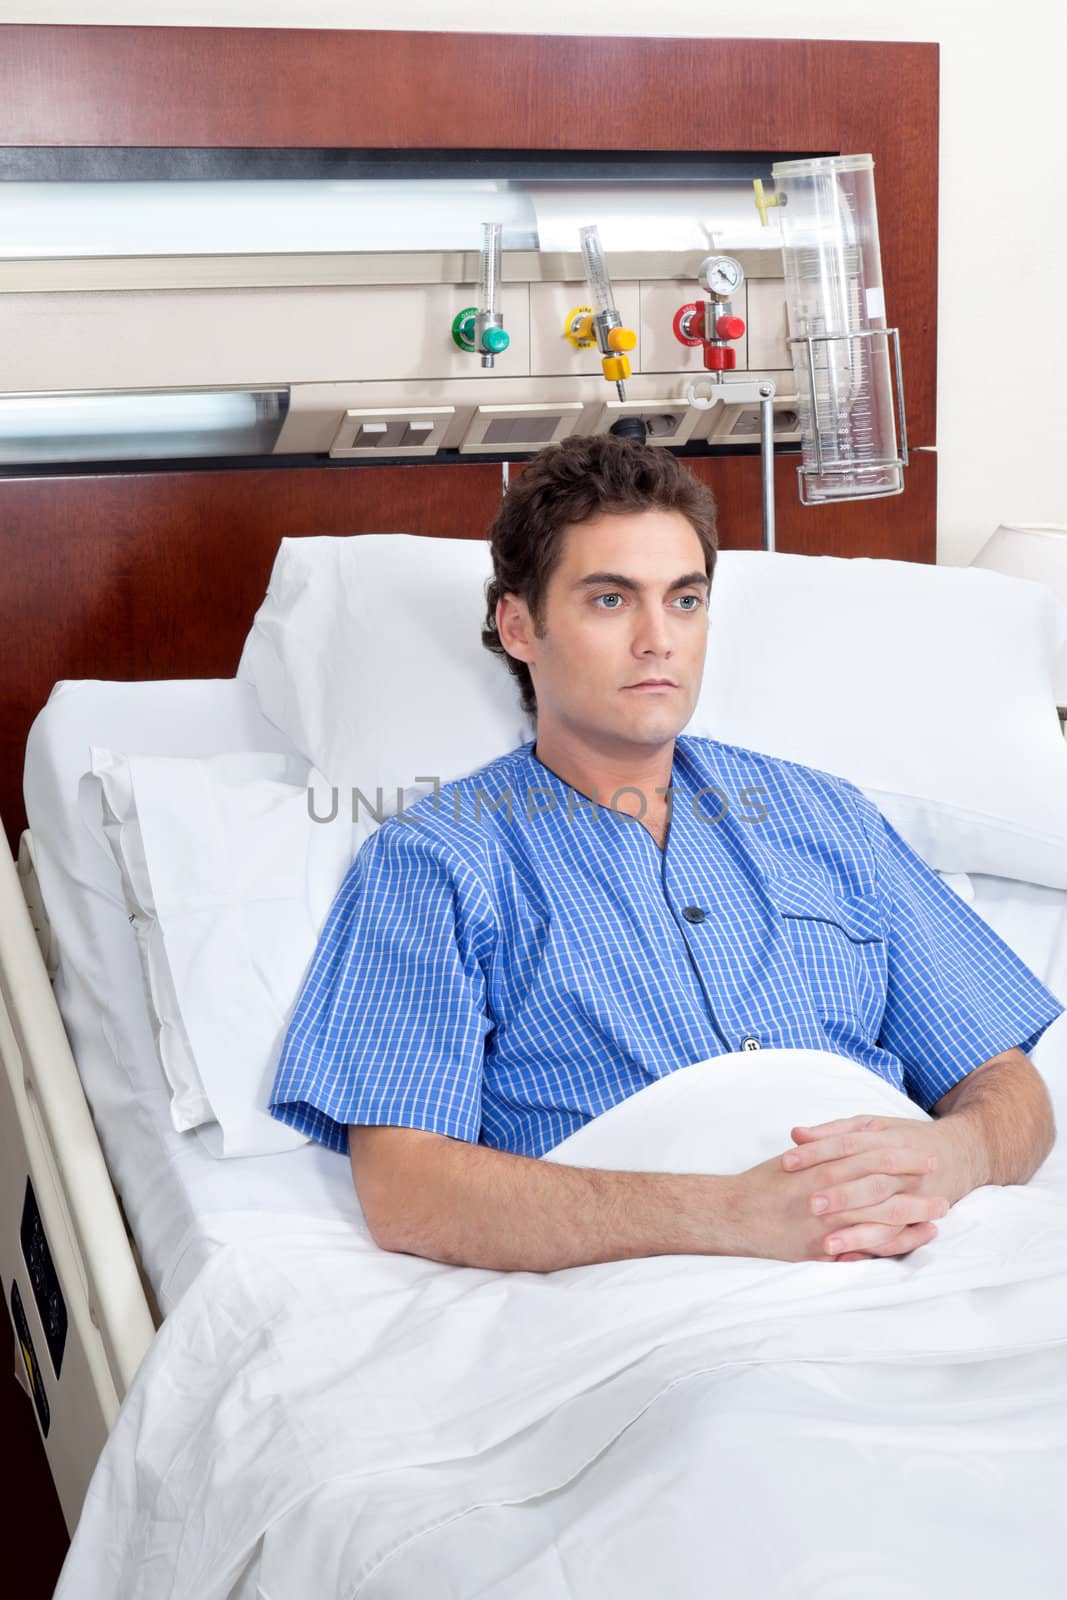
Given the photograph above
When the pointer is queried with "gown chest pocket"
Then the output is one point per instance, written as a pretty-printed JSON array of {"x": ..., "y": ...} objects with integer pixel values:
[{"x": 839, "y": 949}]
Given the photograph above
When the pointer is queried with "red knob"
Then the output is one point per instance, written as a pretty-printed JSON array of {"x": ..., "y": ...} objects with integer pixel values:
[
  {"x": 688, "y": 323},
  {"x": 730, "y": 327},
  {"x": 720, "y": 358}
]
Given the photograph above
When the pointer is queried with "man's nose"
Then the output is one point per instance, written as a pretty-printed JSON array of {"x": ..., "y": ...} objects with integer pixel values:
[{"x": 652, "y": 635}]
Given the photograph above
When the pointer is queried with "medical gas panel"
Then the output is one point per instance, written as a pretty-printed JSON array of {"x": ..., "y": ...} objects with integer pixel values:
[
  {"x": 371, "y": 367},
  {"x": 496, "y": 317}
]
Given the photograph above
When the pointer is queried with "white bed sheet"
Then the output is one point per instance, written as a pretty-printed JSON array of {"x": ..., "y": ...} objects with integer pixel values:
[
  {"x": 319, "y": 1416},
  {"x": 181, "y": 1202}
]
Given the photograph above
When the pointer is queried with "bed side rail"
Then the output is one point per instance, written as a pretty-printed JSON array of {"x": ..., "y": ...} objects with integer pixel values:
[{"x": 51, "y": 1162}]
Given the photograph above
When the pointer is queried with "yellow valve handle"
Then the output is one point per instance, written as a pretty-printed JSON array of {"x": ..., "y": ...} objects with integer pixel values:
[
  {"x": 764, "y": 201},
  {"x": 616, "y": 368},
  {"x": 622, "y": 338},
  {"x": 578, "y": 328}
]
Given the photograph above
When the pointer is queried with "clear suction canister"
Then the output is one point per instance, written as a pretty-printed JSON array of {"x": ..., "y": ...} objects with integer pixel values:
[{"x": 839, "y": 339}]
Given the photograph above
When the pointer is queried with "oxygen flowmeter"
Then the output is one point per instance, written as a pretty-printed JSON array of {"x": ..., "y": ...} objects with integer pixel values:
[
  {"x": 480, "y": 328},
  {"x": 600, "y": 323},
  {"x": 711, "y": 323}
]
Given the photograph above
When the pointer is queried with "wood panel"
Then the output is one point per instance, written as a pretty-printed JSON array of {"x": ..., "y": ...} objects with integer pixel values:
[{"x": 900, "y": 528}]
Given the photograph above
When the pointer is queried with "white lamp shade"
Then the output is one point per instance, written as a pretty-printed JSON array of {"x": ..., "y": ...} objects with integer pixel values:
[{"x": 1038, "y": 551}]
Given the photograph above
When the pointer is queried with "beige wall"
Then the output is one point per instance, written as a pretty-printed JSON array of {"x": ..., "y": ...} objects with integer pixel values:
[{"x": 1002, "y": 423}]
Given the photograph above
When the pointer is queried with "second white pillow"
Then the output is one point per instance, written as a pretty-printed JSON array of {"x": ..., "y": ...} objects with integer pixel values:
[{"x": 228, "y": 881}]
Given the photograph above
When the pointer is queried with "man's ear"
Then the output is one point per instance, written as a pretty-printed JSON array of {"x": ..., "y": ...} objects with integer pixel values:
[{"x": 514, "y": 627}]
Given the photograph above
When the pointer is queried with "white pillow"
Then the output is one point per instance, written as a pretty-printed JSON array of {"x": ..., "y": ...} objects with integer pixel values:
[
  {"x": 228, "y": 881},
  {"x": 1038, "y": 551},
  {"x": 368, "y": 650},
  {"x": 931, "y": 688}
]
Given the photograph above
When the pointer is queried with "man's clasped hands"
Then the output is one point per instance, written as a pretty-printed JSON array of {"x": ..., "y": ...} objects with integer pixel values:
[{"x": 860, "y": 1187}]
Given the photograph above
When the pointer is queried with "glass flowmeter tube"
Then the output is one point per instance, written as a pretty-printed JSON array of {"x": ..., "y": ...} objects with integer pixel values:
[
  {"x": 839, "y": 339},
  {"x": 489, "y": 266},
  {"x": 596, "y": 270},
  {"x": 490, "y": 340},
  {"x": 613, "y": 340}
]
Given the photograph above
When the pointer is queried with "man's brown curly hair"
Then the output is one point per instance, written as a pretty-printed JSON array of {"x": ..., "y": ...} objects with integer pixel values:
[{"x": 570, "y": 483}]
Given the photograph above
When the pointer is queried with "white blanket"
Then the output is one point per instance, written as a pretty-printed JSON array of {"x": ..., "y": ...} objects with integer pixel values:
[{"x": 319, "y": 1417}]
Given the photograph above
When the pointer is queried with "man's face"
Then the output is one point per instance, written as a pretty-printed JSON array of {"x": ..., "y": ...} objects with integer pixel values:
[{"x": 625, "y": 605}]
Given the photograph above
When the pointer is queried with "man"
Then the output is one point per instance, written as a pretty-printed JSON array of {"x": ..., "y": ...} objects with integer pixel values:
[{"x": 612, "y": 902}]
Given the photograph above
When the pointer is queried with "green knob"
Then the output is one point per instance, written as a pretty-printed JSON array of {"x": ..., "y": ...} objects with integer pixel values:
[
  {"x": 495, "y": 340},
  {"x": 463, "y": 328}
]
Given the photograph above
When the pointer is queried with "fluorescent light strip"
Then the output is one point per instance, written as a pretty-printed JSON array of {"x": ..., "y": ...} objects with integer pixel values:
[{"x": 105, "y": 427}]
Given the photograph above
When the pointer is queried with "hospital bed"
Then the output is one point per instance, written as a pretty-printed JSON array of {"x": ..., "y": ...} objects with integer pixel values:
[{"x": 132, "y": 1213}]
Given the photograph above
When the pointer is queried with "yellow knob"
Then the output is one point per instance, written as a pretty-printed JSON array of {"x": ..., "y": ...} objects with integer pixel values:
[
  {"x": 616, "y": 368},
  {"x": 764, "y": 201},
  {"x": 621, "y": 339},
  {"x": 578, "y": 328}
]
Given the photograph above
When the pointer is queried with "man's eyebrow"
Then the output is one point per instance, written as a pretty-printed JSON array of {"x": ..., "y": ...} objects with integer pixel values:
[{"x": 619, "y": 580}]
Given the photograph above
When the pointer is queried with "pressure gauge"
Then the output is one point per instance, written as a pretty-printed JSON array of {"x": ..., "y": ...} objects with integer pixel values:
[{"x": 721, "y": 276}]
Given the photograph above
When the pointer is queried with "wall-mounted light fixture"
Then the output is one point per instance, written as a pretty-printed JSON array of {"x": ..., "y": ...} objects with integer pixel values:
[{"x": 139, "y": 426}]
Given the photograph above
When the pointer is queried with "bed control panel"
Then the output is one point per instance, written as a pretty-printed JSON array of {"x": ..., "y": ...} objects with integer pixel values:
[
  {"x": 44, "y": 1283},
  {"x": 29, "y": 1359}
]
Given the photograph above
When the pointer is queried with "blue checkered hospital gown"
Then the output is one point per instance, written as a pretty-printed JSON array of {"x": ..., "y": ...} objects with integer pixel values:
[{"x": 505, "y": 961}]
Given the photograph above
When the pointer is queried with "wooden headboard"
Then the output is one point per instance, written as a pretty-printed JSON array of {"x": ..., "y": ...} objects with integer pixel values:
[{"x": 149, "y": 574}]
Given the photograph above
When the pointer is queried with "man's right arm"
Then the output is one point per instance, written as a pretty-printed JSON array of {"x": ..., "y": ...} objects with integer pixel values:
[{"x": 429, "y": 1195}]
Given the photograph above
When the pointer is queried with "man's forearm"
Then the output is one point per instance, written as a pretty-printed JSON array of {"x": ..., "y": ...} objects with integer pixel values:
[
  {"x": 476, "y": 1207},
  {"x": 1000, "y": 1118}
]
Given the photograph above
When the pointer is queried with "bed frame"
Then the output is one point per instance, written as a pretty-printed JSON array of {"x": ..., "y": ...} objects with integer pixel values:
[
  {"x": 145, "y": 573},
  {"x": 47, "y": 1140}
]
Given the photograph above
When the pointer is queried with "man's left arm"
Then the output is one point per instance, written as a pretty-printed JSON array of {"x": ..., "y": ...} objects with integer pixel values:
[
  {"x": 995, "y": 1126},
  {"x": 997, "y": 1122},
  {"x": 955, "y": 992}
]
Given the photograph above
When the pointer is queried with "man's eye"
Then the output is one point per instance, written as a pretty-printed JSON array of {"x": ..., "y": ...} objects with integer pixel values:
[
  {"x": 690, "y": 601},
  {"x": 607, "y": 597}
]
